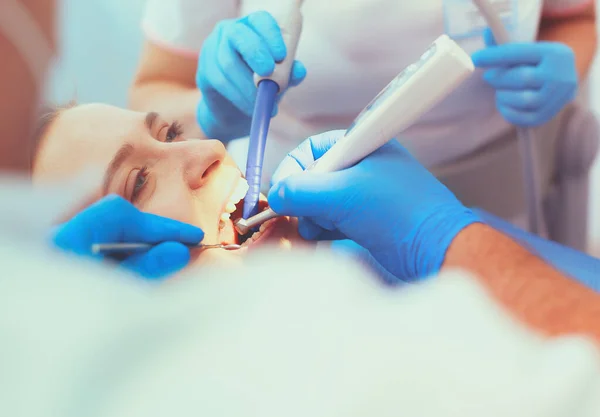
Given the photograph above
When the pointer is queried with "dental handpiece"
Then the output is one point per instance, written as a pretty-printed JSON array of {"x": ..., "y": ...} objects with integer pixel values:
[
  {"x": 418, "y": 88},
  {"x": 130, "y": 248},
  {"x": 290, "y": 24}
]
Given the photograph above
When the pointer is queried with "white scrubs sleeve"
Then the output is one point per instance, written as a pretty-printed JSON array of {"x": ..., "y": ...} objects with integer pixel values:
[
  {"x": 557, "y": 8},
  {"x": 182, "y": 25}
]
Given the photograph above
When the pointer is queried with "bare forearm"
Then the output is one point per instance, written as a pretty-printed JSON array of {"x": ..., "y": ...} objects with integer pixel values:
[
  {"x": 532, "y": 290},
  {"x": 173, "y": 101},
  {"x": 578, "y": 32}
]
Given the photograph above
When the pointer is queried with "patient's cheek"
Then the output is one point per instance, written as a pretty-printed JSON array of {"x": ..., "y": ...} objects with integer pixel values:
[
  {"x": 172, "y": 207},
  {"x": 216, "y": 257}
]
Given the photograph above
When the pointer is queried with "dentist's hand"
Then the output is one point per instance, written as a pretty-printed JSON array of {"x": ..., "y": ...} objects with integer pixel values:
[
  {"x": 388, "y": 203},
  {"x": 533, "y": 81},
  {"x": 230, "y": 56},
  {"x": 114, "y": 219}
]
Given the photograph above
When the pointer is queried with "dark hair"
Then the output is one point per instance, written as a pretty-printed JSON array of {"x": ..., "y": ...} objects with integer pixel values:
[{"x": 47, "y": 116}]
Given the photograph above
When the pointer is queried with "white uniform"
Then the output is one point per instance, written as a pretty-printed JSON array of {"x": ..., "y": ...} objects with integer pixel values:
[{"x": 352, "y": 49}]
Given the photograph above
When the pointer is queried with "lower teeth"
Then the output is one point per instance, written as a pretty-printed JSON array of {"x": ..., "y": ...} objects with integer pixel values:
[{"x": 249, "y": 238}]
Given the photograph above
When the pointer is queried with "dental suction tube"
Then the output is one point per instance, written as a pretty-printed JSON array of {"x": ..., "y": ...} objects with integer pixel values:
[
  {"x": 422, "y": 85},
  {"x": 526, "y": 137},
  {"x": 290, "y": 24}
]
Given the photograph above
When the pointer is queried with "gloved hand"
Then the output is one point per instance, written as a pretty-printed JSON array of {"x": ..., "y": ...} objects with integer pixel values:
[
  {"x": 231, "y": 55},
  {"x": 533, "y": 81},
  {"x": 114, "y": 219},
  {"x": 388, "y": 203}
]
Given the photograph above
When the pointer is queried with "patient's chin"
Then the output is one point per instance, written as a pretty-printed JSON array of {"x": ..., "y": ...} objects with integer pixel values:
[{"x": 281, "y": 235}]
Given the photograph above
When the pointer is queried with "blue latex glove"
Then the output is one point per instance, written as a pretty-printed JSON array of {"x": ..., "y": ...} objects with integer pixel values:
[
  {"x": 388, "y": 203},
  {"x": 533, "y": 81},
  {"x": 234, "y": 51},
  {"x": 114, "y": 219}
]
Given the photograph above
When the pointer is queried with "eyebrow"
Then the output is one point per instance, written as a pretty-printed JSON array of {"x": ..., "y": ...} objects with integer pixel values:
[
  {"x": 150, "y": 119},
  {"x": 124, "y": 153},
  {"x": 113, "y": 167}
]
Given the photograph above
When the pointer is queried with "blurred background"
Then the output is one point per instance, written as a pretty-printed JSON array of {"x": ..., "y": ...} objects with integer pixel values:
[{"x": 101, "y": 43}]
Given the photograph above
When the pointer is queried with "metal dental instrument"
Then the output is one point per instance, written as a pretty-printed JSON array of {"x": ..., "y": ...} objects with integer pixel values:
[
  {"x": 268, "y": 87},
  {"x": 129, "y": 248},
  {"x": 422, "y": 85}
]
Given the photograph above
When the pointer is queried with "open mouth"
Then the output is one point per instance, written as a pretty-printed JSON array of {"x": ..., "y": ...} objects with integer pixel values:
[{"x": 233, "y": 211}]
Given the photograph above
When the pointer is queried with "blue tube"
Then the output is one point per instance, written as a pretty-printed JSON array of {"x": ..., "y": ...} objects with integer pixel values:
[{"x": 259, "y": 129}]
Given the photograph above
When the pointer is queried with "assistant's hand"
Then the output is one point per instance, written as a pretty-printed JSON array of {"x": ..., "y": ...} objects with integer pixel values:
[
  {"x": 114, "y": 219},
  {"x": 234, "y": 51},
  {"x": 533, "y": 81},
  {"x": 388, "y": 203}
]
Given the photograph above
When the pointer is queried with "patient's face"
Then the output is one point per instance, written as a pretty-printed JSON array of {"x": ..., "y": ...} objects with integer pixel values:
[{"x": 146, "y": 160}]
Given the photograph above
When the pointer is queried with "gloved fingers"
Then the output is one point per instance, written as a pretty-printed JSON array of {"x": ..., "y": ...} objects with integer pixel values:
[
  {"x": 527, "y": 100},
  {"x": 298, "y": 74},
  {"x": 160, "y": 261},
  {"x": 488, "y": 37},
  {"x": 520, "y": 118},
  {"x": 150, "y": 228},
  {"x": 226, "y": 79},
  {"x": 207, "y": 62},
  {"x": 294, "y": 163},
  {"x": 309, "y": 230},
  {"x": 324, "y": 223},
  {"x": 212, "y": 82},
  {"x": 253, "y": 49},
  {"x": 310, "y": 195},
  {"x": 552, "y": 106},
  {"x": 265, "y": 25},
  {"x": 322, "y": 142},
  {"x": 240, "y": 78},
  {"x": 329, "y": 235},
  {"x": 508, "y": 55},
  {"x": 516, "y": 78},
  {"x": 305, "y": 154}
]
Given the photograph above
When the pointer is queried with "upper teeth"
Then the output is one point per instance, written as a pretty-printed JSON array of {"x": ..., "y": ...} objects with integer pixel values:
[
  {"x": 230, "y": 207},
  {"x": 238, "y": 193}
]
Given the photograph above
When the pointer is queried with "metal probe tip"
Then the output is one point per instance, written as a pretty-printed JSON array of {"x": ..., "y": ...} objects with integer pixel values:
[
  {"x": 231, "y": 247},
  {"x": 128, "y": 248}
]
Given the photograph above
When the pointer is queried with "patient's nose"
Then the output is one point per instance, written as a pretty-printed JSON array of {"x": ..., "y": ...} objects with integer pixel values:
[{"x": 200, "y": 158}]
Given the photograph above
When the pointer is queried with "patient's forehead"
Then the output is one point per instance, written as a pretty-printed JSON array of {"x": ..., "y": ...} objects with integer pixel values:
[{"x": 85, "y": 136}]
